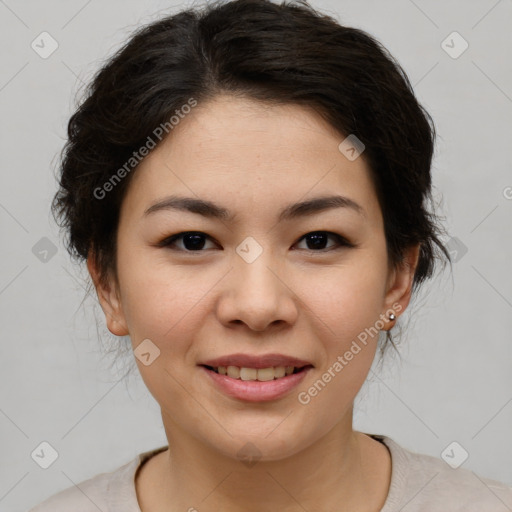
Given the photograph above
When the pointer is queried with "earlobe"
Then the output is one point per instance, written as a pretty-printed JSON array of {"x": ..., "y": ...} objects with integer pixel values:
[
  {"x": 108, "y": 298},
  {"x": 399, "y": 290}
]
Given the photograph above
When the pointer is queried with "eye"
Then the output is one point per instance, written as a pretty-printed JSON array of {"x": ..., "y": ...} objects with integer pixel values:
[
  {"x": 193, "y": 241},
  {"x": 317, "y": 240}
]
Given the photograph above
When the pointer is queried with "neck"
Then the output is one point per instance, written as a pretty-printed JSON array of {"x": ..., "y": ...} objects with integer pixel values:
[{"x": 343, "y": 470}]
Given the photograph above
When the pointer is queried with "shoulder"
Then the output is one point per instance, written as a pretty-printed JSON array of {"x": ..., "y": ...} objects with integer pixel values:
[
  {"x": 421, "y": 483},
  {"x": 109, "y": 492},
  {"x": 83, "y": 497},
  {"x": 87, "y": 496}
]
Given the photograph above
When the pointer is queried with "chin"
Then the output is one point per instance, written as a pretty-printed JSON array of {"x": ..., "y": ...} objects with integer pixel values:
[{"x": 265, "y": 446}]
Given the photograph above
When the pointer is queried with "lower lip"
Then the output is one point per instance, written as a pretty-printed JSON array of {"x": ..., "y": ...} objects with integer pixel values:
[{"x": 254, "y": 390}]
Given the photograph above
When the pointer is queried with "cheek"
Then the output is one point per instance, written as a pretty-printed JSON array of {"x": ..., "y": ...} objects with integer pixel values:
[
  {"x": 346, "y": 298},
  {"x": 160, "y": 301},
  {"x": 164, "y": 304},
  {"x": 346, "y": 307}
]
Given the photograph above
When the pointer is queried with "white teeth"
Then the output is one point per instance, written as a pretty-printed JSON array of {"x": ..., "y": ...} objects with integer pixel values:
[
  {"x": 265, "y": 374},
  {"x": 233, "y": 372},
  {"x": 248, "y": 373},
  {"x": 260, "y": 374}
]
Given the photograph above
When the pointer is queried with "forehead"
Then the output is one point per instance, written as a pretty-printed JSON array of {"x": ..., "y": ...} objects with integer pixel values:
[{"x": 246, "y": 154}]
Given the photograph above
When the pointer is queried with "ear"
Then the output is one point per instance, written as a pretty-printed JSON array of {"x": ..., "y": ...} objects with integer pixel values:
[
  {"x": 109, "y": 299},
  {"x": 399, "y": 286}
]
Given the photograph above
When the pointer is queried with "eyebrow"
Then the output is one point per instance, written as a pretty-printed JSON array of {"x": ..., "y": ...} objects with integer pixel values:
[{"x": 209, "y": 209}]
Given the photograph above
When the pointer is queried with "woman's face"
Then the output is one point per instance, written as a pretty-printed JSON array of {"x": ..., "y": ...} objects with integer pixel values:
[{"x": 252, "y": 282}]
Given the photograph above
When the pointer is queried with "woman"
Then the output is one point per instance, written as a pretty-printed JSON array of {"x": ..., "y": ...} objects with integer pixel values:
[{"x": 248, "y": 184}]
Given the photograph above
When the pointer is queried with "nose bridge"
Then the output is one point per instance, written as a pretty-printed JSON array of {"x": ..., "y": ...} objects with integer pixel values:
[
  {"x": 253, "y": 268},
  {"x": 257, "y": 294}
]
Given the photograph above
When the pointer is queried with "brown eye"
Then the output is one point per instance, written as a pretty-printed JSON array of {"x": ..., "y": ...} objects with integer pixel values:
[
  {"x": 317, "y": 240},
  {"x": 192, "y": 241}
]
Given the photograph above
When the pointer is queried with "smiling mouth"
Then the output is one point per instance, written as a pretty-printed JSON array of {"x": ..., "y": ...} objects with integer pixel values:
[{"x": 256, "y": 374}]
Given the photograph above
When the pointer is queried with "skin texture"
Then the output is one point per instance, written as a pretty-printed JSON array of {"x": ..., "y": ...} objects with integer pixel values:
[{"x": 294, "y": 299}]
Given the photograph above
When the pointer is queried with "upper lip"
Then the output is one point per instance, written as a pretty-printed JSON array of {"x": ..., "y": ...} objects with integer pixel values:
[{"x": 250, "y": 361}]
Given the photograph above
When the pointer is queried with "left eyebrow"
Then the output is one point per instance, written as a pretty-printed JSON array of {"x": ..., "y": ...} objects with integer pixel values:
[{"x": 209, "y": 209}]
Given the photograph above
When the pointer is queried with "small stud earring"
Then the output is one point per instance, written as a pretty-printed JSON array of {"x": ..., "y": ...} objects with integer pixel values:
[{"x": 392, "y": 317}]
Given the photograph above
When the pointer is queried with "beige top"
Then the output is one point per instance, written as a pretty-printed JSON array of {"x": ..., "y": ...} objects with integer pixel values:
[{"x": 419, "y": 483}]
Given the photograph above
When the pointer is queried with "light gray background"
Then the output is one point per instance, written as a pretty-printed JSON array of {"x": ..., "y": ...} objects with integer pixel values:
[{"x": 455, "y": 382}]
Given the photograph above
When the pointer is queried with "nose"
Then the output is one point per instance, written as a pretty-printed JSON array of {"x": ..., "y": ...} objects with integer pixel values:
[{"x": 257, "y": 295}]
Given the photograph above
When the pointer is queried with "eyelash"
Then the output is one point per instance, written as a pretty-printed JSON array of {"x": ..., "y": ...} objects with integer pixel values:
[{"x": 341, "y": 241}]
